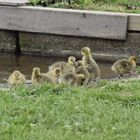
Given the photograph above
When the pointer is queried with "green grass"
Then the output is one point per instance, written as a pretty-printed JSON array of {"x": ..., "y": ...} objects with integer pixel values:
[
  {"x": 108, "y": 111},
  {"x": 130, "y": 6}
]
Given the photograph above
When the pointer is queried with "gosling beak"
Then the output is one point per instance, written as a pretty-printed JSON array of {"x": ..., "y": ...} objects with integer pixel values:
[
  {"x": 135, "y": 59},
  {"x": 82, "y": 51},
  {"x": 72, "y": 62}
]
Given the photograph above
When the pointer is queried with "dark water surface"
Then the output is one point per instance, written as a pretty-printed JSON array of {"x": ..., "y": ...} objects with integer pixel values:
[{"x": 25, "y": 63}]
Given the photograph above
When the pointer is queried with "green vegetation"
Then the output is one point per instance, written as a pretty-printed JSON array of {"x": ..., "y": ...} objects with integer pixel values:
[
  {"x": 108, "y": 111},
  {"x": 103, "y": 5}
]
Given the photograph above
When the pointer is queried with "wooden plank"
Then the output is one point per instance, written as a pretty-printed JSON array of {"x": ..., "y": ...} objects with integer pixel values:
[
  {"x": 64, "y": 22},
  {"x": 13, "y": 2},
  {"x": 134, "y": 22}
]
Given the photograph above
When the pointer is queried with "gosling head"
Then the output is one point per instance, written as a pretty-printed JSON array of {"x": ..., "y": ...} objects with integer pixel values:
[
  {"x": 81, "y": 76},
  {"x": 16, "y": 74},
  {"x": 79, "y": 63},
  {"x": 85, "y": 51},
  {"x": 36, "y": 70},
  {"x": 132, "y": 58},
  {"x": 57, "y": 72},
  {"x": 71, "y": 60}
]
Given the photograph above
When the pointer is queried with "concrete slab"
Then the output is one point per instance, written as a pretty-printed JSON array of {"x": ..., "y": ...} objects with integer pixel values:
[
  {"x": 134, "y": 22},
  {"x": 64, "y": 22},
  {"x": 13, "y": 2}
]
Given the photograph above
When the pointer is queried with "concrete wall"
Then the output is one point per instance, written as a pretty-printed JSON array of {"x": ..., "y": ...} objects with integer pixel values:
[
  {"x": 103, "y": 49},
  {"x": 55, "y": 45},
  {"x": 7, "y": 41},
  {"x": 109, "y": 35}
]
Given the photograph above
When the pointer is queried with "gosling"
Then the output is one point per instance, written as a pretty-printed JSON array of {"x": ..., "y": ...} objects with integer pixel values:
[{"x": 124, "y": 66}]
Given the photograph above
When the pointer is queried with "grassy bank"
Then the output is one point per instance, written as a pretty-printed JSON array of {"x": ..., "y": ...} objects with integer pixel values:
[
  {"x": 108, "y": 111},
  {"x": 131, "y": 6}
]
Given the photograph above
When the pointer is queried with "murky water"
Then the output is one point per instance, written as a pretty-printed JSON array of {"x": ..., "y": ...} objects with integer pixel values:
[{"x": 9, "y": 63}]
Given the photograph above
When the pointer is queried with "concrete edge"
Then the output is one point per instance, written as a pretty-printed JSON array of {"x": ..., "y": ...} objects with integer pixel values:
[
  {"x": 133, "y": 19},
  {"x": 83, "y": 23}
]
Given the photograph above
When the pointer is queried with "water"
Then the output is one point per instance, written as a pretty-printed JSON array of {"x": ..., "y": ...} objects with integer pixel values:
[{"x": 25, "y": 63}]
